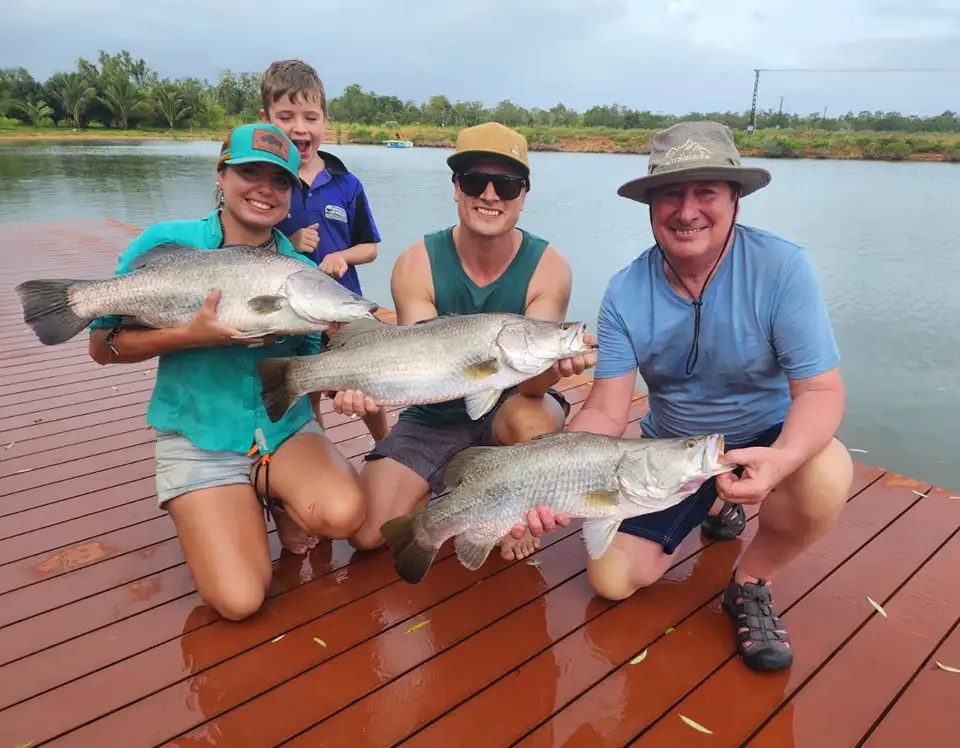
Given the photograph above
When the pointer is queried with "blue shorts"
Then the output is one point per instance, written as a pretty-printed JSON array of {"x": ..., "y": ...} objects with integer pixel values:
[{"x": 672, "y": 525}]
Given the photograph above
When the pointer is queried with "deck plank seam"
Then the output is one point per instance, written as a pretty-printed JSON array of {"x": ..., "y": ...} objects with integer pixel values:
[
  {"x": 925, "y": 665},
  {"x": 716, "y": 596},
  {"x": 449, "y": 557},
  {"x": 843, "y": 644},
  {"x": 876, "y": 537},
  {"x": 572, "y": 536}
]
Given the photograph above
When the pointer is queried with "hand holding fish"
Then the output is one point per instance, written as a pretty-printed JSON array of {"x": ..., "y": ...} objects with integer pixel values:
[
  {"x": 354, "y": 403},
  {"x": 206, "y": 330},
  {"x": 334, "y": 264},
  {"x": 763, "y": 469},
  {"x": 569, "y": 367},
  {"x": 539, "y": 521}
]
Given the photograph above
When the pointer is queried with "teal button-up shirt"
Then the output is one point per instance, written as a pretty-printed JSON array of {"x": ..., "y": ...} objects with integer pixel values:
[{"x": 212, "y": 395}]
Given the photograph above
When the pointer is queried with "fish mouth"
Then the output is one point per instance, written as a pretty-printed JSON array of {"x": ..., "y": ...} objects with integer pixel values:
[
  {"x": 574, "y": 338},
  {"x": 713, "y": 450}
]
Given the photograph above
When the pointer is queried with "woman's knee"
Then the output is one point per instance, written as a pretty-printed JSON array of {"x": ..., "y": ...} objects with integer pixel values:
[
  {"x": 335, "y": 509},
  {"x": 235, "y": 601}
]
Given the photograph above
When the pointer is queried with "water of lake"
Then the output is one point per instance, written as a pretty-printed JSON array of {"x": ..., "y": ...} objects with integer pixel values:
[{"x": 881, "y": 236}]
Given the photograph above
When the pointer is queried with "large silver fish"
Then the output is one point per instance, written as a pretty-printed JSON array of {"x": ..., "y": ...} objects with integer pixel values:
[
  {"x": 263, "y": 292},
  {"x": 601, "y": 479},
  {"x": 471, "y": 356}
]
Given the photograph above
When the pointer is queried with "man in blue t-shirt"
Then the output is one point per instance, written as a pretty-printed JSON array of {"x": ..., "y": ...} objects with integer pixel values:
[{"x": 728, "y": 328}]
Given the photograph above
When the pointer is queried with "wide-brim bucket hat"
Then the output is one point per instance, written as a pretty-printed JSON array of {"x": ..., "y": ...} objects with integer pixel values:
[{"x": 694, "y": 151}]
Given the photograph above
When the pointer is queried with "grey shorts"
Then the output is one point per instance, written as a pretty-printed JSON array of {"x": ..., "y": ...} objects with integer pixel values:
[
  {"x": 427, "y": 449},
  {"x": 181, "y": 467}
]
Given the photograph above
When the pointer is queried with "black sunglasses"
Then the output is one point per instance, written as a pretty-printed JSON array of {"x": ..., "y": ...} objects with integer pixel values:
[{"x": 474, "y": 183}]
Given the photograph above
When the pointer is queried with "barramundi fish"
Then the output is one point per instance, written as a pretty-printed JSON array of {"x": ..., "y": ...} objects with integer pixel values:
[{"x": 262, "y": 293}]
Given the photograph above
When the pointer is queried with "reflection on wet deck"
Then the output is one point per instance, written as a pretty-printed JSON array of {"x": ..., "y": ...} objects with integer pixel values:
[{"x": 104, "y": 641}]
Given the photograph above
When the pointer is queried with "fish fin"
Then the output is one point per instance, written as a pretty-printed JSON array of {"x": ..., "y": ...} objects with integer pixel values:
[
  {"x": 472, "y": 552},
  {"x": 601, "y": 499},
  {"x": 266, "y": 304},
  {"x": 459, "y": 464},
  {"x": 598, "y": 534},
  {"x": 46, "y": 308},
  {"x": 160, "y": 253},
  {"x": 480, "y": 403},
  {"x": 350, "y": 332},
  {"x": 481, "y": 370},
  {"x": 255, "y": 334},
  {"x": 276, "y": 390},
  {"x": 413, "y": 554}
]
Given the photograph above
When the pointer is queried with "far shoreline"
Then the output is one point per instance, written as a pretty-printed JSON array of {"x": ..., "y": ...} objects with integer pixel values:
[{"x": 809, "y": 144}]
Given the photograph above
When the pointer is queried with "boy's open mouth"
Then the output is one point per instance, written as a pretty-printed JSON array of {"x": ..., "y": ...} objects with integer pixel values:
[{"x": 303, "y": 147}]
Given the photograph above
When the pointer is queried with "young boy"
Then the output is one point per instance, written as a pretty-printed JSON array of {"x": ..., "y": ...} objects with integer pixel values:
[{"x": 333, "y": 223}]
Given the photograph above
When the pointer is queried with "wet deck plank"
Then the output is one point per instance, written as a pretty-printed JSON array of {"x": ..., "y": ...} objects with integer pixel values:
[{"x": 102, "y": 632}]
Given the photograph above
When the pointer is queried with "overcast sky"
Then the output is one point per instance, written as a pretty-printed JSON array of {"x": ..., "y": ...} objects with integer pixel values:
[{"x": 668, "y": 55}]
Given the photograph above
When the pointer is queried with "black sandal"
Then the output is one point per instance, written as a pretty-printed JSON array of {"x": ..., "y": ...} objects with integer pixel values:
[
  {"x": 762, "y": 642},
  {"x": 727, "y": 525}
]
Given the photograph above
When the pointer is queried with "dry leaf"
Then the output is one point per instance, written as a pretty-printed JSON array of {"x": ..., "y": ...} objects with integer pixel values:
[
  {"x": 278, "y": 638},
  {"x": 948, "y": 668},
  {"x": 639, "y": 658},
  {"x": 24, "y": 745},
  {"x": 416, "y": 626},
  {"x": 669, "y": 630},
  {"x": 696, "y": 725},
  {"x": 861, "y": 451},
  {"x": 12, "y": 443},
  {"x": 115, "y": 389},
  {"x": 533, "y": 563},
  {"x": 921, "y": 495},
  {"x": 321, "y": 642},
  {"x": 25, "y": 470},
  {"x": 880, "y": 610}
]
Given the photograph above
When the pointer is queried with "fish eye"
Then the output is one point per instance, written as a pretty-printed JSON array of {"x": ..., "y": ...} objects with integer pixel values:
[{"x": 690, "y": 443}]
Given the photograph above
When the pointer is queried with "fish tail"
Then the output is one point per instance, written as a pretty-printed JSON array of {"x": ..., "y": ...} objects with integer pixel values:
[
  {"x": 277, "y": 389},
  {"x": 413, "y": 553},
  {"x": 47, "y": 309}
]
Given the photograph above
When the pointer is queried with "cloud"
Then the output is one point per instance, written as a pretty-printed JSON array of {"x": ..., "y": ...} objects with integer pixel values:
[{"x": 668, "y": 55}]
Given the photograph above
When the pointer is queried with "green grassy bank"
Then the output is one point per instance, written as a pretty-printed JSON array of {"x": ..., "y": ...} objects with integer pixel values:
[{"x": 786, "y": 143}]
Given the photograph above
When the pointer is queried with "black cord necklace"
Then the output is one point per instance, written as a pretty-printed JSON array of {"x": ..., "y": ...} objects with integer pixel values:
[
  {"x": 262, "y": 245},
  {"x": 697, "y": 301}
]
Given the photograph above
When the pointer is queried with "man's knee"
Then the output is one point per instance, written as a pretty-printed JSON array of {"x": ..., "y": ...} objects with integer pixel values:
[
  {"x": 521, "y": 418},
  {"x": 628, "y": 565},
  {"x": 820, "y": 488},
  {"x": 390, "y": 489},
  {"x": 235, "y": 601}
]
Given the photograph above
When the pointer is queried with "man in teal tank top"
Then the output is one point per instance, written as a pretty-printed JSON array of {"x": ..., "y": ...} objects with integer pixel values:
[{"x": 483, "y": 264}]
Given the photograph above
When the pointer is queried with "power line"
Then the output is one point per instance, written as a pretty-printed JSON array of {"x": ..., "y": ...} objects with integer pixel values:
[{"x": 757, "y": 71}]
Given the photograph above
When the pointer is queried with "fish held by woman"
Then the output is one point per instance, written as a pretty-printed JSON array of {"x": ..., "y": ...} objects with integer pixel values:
[
  {"x": 263, "y": 292},
  {"x": 471, "y": 356},
  {"x": 601, "y": 479}
]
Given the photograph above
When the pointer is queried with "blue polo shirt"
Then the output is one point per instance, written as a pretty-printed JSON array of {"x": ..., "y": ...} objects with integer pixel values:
[
  {"x": 212, "y": 395},
  {"x": 764, "y": 323},
  {"x": 337, "y": 202}
]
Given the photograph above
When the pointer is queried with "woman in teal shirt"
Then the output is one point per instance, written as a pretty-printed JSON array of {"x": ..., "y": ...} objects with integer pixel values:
[{"x": 219, "y": 458}]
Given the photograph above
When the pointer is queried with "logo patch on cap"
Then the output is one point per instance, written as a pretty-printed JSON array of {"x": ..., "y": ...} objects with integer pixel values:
[{"x": 269, "y": 141}]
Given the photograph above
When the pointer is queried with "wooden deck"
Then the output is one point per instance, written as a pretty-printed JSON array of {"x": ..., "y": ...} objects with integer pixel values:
[{"x": 104, "y": 642}]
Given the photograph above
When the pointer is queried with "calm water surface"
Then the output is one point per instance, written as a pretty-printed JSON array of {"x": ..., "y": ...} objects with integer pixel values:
[{"x": 882, "y": 237}]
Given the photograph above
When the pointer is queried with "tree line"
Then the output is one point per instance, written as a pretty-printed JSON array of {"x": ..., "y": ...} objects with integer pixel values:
[{"x": 120, "y": 92}]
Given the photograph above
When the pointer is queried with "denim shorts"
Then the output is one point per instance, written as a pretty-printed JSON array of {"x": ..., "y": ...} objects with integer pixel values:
[
  {"x": 182, "y": 467},
  {"x": 672, "y": 525}
]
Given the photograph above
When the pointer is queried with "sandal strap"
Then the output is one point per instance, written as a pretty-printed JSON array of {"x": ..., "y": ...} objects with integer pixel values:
[
  {"x": 727, "y": 525},
  {"x": 762, "y": 641}
]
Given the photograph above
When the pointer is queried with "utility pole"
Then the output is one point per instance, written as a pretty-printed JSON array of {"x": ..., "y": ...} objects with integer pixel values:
[
  {"x": 780, "y": 113},
  {"x": 751, "y": 126}
]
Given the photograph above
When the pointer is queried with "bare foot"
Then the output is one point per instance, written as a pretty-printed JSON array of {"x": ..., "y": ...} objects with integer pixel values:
[
  {"x": 512, "y": 549},
  {"x": 292, "y": 537}
]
